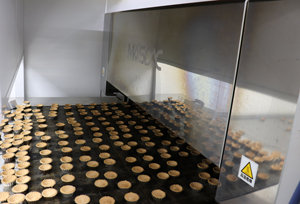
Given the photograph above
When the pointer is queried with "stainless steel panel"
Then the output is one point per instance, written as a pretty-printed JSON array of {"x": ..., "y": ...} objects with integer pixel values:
[
  {"x": 265, "y": 98},
  {"x": 186, "y": 53},
  {"x": 125, "y": 5},
  {"x": 130, "y": 61},
  {"x": 202, "y": 40}
]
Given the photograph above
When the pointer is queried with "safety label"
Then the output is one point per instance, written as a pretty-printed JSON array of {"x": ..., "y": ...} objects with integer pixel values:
[{"x": 248, "y": 171}]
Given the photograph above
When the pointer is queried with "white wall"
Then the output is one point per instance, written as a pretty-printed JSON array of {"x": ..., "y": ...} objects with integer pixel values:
[
  {"x": 11, "y": 44},
  {"x": 63, "y": 45},
  {"x": 124, "y": 5},
  {"x": 18, "y": 90}
]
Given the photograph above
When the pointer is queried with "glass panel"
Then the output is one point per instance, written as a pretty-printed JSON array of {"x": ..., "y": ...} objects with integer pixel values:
[
  {"x": 259, "y": 129},
  {"x": 264, "y": 102},
  {"x": 179, "y": 63}
]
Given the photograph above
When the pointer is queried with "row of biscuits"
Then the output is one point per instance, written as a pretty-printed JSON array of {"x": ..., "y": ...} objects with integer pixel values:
[
  {"x": 15, "y": 172},
  {"x": 142, "y": 151}
]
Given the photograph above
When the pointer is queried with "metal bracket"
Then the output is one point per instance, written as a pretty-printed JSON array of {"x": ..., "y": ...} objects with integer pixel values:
[
  {"x": 120, "y": 97},
  {"x": 12, "y": 104}
]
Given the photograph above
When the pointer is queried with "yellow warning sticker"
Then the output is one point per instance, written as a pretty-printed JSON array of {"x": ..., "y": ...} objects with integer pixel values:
[{"x": 247, "y": 170}]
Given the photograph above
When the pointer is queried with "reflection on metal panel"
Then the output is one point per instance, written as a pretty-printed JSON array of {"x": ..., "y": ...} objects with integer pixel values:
[
  {"x": 131, "y": 57},
  {"x": 264, "y": 101},
  {"x": 215, "y": 94},
  {"x": 202, "y": 40},
  {"x": 180, "y": 62}
]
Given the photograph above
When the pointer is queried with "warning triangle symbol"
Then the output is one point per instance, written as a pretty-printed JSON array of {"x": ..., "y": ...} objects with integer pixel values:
[{"x": 247, "y": 170}]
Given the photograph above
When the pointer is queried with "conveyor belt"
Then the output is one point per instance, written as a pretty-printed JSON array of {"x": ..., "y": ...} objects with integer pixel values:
[{"x": 186, "y": 165}]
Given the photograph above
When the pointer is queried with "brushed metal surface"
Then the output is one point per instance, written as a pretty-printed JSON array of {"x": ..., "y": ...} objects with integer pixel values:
[
  {"x": 188, "y": 53},
  {"x": 130, "y": 30}
]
